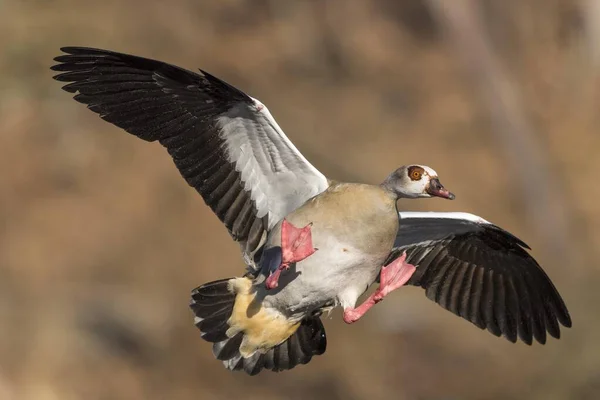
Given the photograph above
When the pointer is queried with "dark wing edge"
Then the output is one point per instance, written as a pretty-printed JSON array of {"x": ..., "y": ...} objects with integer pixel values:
[{"x": 481, "y": 273}]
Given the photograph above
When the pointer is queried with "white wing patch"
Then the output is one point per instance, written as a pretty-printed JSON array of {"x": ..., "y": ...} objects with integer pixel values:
[
  {"x": 277, "y": 176},
  {"x": 444, "y": 215}
]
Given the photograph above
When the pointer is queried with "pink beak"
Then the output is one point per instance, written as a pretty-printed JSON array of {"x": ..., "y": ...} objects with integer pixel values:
[{"x": 435, "y": 188}]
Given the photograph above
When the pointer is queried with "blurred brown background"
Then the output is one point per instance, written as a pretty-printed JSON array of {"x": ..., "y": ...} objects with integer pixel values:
[{"x": 101, "y": 240}]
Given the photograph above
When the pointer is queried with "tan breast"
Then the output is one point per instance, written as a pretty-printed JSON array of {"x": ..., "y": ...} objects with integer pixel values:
[{"x": 363, "y": 215}]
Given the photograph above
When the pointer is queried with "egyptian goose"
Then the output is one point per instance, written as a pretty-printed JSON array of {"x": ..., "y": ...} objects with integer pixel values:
[{"x": 309, "y": 243}]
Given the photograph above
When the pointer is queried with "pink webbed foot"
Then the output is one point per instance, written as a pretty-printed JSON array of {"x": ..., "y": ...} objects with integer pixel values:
[
  {"x": 392, "y": 276},
  {"x": 351, "y": 315},
  {"x": 296, "y": 245}
]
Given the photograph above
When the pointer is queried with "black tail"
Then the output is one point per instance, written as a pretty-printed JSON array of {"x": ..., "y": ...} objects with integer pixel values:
[{"x": 212, "y": 303}]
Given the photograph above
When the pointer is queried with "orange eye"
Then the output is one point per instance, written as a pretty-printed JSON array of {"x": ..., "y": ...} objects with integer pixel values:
[{"x": 415, "y": 172}]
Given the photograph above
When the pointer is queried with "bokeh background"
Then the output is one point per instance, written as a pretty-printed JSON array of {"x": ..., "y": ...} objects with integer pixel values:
[{"x": 101, "y": 241}]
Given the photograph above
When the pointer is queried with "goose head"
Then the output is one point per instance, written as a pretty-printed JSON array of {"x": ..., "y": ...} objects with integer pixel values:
[{"x": 415, "y": 181}]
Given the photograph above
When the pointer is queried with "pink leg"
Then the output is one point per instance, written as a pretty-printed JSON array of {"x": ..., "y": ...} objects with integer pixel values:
[
  {"x": 392, "y": 276},
  {"x": 296, "y": 245}
]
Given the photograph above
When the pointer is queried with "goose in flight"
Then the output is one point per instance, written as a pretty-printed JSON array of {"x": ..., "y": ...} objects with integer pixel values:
[{"x": 310, "y": 243}]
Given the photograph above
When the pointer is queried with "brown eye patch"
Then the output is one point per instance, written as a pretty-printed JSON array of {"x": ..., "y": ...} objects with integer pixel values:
[{"x": 415, "y": 172}]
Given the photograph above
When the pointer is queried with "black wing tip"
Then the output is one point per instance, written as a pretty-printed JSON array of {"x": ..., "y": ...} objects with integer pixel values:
[
  {"x": 512, "y": 337},
  {"x": 560, "y": 316},
  {"x": 79, "y": 50},
  {"x": 226, "y": 87},
  {"x": 56, "y": 68},
  {"x": 540, "y": 338},
  {"x": 76, "y": 57},
  {"x": 528, "y": 340},
  {"x": 73, "y": 49},
  {"x": 565, "y": 320},
  {"x": 65, "y": 64},
  {"x": 506, "y": 235},
  {"x": 560, "y": 310}
]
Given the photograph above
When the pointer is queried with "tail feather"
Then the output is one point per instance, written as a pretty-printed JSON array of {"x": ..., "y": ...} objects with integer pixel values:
[
  {"x": 308, "y": 341},
  {"x": 217, "y": 335},
  {"x": 228, "y": 348},
  {"x": 213, "y": 304}
]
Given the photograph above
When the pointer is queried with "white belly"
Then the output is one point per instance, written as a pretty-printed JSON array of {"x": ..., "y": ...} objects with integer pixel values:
[{"x": 336, "y": 273}]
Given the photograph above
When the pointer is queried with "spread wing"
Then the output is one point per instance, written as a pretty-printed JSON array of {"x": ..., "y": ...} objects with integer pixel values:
[
  {"x": 481, "y": 273},
  {"x": 225, "y": 143}
]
